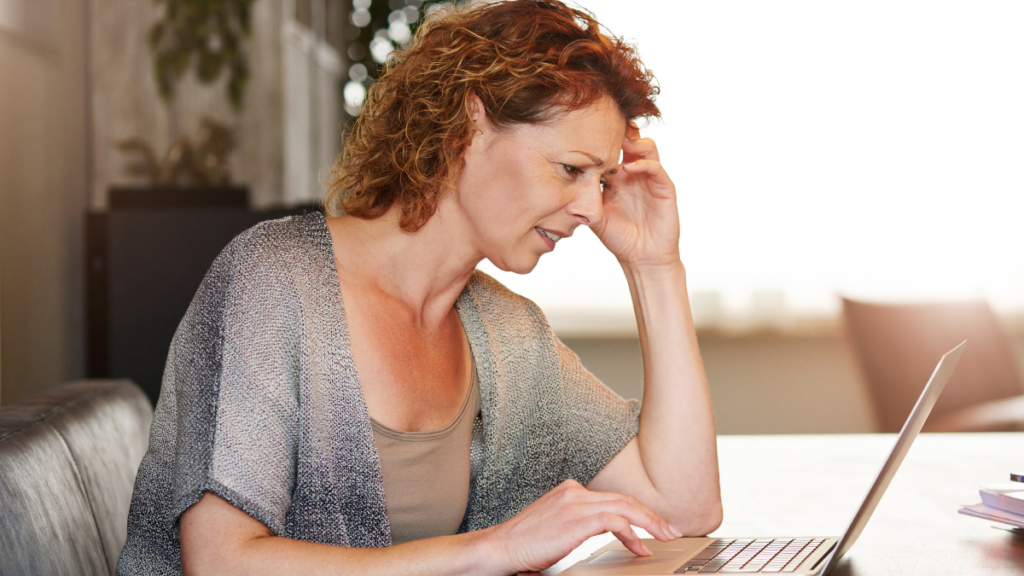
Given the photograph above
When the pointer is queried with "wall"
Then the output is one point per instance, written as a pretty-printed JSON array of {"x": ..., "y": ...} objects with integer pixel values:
[
  {"x": 64, "y": 104},
  {"x": 126, "y": 103},
  {"x": 43, "y": 191},
  {"x": 761, "y": 383},
  {"x": 287, "y": 133}
]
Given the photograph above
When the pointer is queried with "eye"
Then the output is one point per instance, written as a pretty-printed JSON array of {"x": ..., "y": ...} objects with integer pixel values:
[
  {"x": 572, "y": 170},
  {"x": 604, "y": 185}
]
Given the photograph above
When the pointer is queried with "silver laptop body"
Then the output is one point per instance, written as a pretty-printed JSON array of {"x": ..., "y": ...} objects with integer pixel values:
[{"x": 789, "y": 555}]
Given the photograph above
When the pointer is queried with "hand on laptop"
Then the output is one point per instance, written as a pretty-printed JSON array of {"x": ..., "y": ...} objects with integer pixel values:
[{"x": 550, "y": 528}]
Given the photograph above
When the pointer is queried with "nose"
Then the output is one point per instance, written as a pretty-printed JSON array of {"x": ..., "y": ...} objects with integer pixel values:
[{"x": 588, "y": 205}]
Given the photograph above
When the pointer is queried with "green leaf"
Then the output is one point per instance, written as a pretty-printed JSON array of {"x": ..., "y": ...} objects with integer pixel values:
[
  {"x": 208, "y": 66},
  {"x": 244, "y": 11},
  {"x": 179, "y": 60},
  {"x": 182, "y": 36},
  {"x": 165, "y": 83},
  {"x": 156, "y": 33}
]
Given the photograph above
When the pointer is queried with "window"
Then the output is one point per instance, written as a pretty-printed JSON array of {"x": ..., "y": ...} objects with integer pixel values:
[{"x": 873, "y": 149}]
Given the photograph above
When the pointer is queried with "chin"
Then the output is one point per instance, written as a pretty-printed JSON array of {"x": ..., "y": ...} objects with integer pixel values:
[{"x": 518, "y": 266}]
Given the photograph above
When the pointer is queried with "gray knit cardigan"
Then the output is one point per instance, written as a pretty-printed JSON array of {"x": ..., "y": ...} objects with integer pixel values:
[{"x": 261, "y": 405}]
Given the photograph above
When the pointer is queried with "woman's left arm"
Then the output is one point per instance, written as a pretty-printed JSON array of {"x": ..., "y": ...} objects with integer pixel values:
[{"x": 672, "y": 464}]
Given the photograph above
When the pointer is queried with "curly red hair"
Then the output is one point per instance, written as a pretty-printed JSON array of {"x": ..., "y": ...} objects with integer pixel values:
[{"x": 527, "y": 60}]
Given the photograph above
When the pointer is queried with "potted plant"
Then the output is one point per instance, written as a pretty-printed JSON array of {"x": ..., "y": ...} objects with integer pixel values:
[{"x": 206, "y": 37}]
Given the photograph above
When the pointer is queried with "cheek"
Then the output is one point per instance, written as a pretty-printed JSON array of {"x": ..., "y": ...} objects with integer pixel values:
[
  {"x": 537, "y": 199},
  {"x": 519, "y": 189},
  {"x": 524, "y": 196}
]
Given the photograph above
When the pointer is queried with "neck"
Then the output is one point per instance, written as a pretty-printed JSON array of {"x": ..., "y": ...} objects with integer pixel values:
[{"x": 426, "y": 269}]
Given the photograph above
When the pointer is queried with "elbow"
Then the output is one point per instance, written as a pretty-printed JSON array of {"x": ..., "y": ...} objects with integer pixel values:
[
  {"x": 711, "y": 519},
  {"x": 699, "y": 520}
]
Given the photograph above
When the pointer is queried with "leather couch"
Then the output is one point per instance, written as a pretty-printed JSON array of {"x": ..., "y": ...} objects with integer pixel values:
[{"x": 68, "y": 459}]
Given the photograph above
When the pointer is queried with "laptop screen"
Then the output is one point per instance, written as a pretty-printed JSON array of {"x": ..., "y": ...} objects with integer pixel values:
[{"x": 910, "y": 430}]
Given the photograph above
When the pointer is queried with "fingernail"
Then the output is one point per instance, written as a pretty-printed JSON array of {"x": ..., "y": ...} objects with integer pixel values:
[
  {"x": 630, "y": 165},
  {"x": 676, "y": 531},
  {"x": 647, "y": 551}
]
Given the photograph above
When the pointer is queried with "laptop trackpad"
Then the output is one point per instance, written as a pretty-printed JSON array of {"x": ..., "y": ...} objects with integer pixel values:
[{"x": 625, "y": 562}]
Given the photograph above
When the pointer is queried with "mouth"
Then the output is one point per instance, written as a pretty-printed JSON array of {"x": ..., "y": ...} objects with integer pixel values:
[{"x": 549, "y": 237}]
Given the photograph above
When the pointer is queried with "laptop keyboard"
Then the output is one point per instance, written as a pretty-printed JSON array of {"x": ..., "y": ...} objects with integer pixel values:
[{"x": 750, "y": 555}]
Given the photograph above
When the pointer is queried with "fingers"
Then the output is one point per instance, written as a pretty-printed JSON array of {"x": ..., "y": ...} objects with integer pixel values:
[
  {"x": 618, "y": 526},
  {"x": 632, "y": 131},
  {"x": 635, "y": 513},
  {"x": 548, "y": 529},
  {"x": 624, "y": 506},
  {"x": 652, "y": 168},
  {"x": 634, "y": 147}
]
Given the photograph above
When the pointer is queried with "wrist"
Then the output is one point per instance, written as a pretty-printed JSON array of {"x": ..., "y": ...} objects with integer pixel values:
[
  {"x": 489, "y": 552},
  {"x": 670, "y": 268},
  {"x": 659, "y": 294}
]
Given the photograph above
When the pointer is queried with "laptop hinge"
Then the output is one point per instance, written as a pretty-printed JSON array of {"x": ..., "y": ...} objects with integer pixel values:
[{"x": 826, "y": 555}]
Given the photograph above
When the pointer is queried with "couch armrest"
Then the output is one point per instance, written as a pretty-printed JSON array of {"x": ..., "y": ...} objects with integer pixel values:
[{"x": 69, "y": 457}]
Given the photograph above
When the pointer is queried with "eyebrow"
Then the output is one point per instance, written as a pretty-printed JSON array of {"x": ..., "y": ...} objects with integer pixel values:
[{"x": 597, "y": 161}]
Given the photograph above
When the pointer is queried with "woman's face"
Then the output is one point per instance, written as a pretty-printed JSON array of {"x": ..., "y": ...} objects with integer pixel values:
[{"x": 525, "y": 188}]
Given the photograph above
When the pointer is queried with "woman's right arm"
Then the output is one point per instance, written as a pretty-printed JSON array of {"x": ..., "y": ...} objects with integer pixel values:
[{"x": 217, "y": 538}]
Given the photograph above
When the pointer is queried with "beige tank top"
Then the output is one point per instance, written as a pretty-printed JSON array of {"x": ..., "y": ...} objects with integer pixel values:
[{"x": 426, "y": 474}]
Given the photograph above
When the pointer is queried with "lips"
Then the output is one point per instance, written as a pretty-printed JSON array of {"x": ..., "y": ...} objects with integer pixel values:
[
  {"x": 549, "y": 238},
  {"x": 549, "y": 235}
]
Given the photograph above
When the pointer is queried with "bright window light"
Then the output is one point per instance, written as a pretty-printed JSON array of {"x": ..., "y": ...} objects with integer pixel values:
[{"x": 872, "y": 149}]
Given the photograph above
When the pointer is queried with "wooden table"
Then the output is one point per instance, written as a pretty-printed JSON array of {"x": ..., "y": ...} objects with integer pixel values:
[{"x": 811, "y": 485}]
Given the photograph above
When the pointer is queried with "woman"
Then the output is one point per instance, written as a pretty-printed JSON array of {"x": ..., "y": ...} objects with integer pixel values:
[{"x": 321, "y": 356}]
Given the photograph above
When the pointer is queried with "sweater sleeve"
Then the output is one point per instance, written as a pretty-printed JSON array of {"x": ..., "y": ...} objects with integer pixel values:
[
  {"x": 232, "y": 373},
  {"x": 587, "y": 422},
  {"x": 597, "y": 423}
]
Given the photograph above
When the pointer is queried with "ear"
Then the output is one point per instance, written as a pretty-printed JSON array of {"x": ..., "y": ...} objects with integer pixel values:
[{"x": 478, "y": 113}]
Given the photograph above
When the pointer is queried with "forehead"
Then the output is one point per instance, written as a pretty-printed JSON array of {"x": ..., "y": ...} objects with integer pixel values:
[{"x": 596, "y": 130}]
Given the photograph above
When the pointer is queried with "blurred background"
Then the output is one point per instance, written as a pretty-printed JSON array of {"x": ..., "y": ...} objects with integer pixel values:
[{"x": 851, "y": 189}]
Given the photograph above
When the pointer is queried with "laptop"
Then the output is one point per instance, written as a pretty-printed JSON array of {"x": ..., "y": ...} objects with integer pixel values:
[{"x": 788, "y": 555}]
